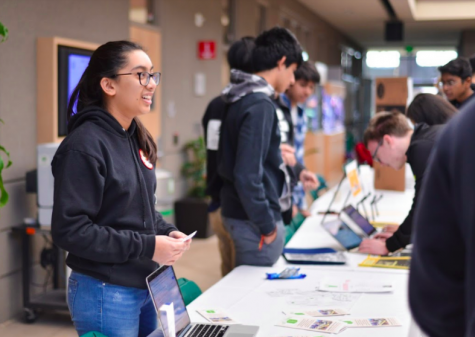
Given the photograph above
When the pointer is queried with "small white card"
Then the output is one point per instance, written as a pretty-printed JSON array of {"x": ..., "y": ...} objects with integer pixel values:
[
  {"x": 313, "y": 324},
  {"x": 371, "y": 322},
  {"x": 189, "y": 236},
  {"x": 216, "y": 316},
  {"x": 323, "y": 312}
]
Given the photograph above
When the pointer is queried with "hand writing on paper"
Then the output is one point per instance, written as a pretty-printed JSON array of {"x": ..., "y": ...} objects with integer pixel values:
[{"x": 373, "y": 246}]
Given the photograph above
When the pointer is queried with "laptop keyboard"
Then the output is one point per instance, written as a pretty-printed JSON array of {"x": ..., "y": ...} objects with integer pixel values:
[{"x": 207, "y": 330}]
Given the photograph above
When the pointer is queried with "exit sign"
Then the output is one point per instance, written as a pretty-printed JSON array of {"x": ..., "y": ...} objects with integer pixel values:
[{"x": 206, "y": 50}]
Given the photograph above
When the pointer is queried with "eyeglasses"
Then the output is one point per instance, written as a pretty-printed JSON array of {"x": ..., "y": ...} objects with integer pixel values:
[
  {"x": 449, "y": 83},
  {"x": 144, "y": 77},
  {"x": 375, "y": 158}
]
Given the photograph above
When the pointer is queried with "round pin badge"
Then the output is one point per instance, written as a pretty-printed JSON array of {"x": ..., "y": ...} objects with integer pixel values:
[{"x": 145, "y": 160}]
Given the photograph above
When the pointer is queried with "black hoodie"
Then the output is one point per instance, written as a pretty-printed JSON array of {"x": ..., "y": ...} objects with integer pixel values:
[
  {"x": 249, "y": 157},
  {"x": 103, "y": 212}
]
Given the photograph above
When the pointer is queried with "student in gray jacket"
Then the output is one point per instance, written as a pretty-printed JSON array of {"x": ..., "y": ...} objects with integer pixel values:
[{"x": 255, "y": 183}]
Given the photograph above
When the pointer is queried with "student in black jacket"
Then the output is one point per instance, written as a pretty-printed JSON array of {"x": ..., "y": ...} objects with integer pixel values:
[
  {"x": 255, "y": 181},
  {"x": 103, "y": 212},
  {"x": 456, "y": 79},
  {"x": 442, "y": 277},
  {"x": 392, "y": 142},
  {"x": 239, "y": 59}
]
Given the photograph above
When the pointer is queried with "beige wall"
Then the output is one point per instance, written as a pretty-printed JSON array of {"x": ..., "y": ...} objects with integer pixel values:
[
  {"x": 88, "y": 20},
  {"x": 180, "y": 63},
  {"x": 322, "y": 40}
]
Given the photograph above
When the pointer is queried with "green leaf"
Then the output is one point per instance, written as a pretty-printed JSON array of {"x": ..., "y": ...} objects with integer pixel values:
[
  {"x": 3, "y": 192},
  {"x": 3, "y": 32},
  {"x": 9, "y": 163}
]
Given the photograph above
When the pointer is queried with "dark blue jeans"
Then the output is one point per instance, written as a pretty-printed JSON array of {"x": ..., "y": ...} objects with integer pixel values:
[{"x": 113, "y": 310}]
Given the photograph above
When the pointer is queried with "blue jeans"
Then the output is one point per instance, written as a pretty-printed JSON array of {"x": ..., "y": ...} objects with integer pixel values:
[
  {"x": 113, "y": 310},
  {"x": 247, "y": 236}
]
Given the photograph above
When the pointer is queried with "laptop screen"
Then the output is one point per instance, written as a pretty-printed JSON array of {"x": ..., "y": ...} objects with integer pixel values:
[
  {"x": 164, "y": 288},
  {"x": 359, "y": 220},
  {"x": 345, "y": 236}
]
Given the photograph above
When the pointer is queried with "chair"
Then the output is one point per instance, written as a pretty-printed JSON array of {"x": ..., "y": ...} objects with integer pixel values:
[
  {"x": 189, "y": 290},
  {"x": 93, "y": 334},
  {"x": 323, "y": 186}
]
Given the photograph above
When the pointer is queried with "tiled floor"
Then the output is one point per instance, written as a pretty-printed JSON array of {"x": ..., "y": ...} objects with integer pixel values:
[{"x": 200, "y": 264}]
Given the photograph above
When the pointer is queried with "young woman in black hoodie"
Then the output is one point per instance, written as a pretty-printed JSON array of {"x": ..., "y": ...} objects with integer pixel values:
[{"x": 103, "y": 212}]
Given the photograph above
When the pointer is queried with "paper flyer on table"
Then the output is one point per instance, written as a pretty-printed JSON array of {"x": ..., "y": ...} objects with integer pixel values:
[
  {"x": 312, "y": 324},
  {"x": 371, "y": 322},
  {"x": 216, "y": 316},
  {"x": 355, "y": 286},
  {"x": 321, "y": 312}
]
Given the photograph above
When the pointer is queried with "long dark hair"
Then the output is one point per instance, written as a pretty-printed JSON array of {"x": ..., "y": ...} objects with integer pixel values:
[
  {"x": 430, "y": 109},
  {"x": 106, "y": 61}
]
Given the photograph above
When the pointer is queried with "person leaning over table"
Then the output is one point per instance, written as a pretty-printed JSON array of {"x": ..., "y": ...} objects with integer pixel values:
[{"x": 392, "y": 142}]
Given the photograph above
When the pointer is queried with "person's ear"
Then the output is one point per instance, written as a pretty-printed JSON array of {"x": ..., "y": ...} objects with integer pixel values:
[
  {"x": 109, "y": 86},
  {"x": 468, "y": 81},
  {"x": 281, "y": 63},
  {"x": 388, "y": 139}
]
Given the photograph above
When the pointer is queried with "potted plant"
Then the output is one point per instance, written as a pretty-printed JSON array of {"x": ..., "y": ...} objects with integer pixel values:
[
  {"x": 191, "y": 212},
  {"x": 3, "y": 151}
]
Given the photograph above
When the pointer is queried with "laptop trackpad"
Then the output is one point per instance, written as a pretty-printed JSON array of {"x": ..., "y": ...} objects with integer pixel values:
[{"x": 241, "y": 331}]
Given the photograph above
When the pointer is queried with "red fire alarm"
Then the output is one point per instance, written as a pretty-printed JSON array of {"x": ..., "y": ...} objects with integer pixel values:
[{"x": 206, "y": 50}]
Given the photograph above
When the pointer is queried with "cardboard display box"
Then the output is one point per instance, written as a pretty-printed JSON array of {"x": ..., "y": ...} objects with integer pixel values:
[
  {"x": 393, "y": 93},
  {"x": 386, "y": 178},
  {"x": 324, "y": 154}
]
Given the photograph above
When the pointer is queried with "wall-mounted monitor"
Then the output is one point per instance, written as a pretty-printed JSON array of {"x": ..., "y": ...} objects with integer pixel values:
[
  {"x": 72, "y": 62},
  {"x": 60, "y": 64}
]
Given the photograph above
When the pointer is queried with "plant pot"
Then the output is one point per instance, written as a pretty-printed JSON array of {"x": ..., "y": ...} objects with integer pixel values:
[{"x": 191, "y": 214}]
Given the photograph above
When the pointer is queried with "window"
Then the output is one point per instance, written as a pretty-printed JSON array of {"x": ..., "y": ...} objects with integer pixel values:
[
  {"x": 383, "y": 59},
  {"x": 434, "y": 58}
]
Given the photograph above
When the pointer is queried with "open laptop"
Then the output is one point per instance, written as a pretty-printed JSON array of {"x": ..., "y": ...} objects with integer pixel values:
[
  {"x": 357, "y": 222},
  {"x": 164, "y": 289},
  {"x": 342, "y": 233}
]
